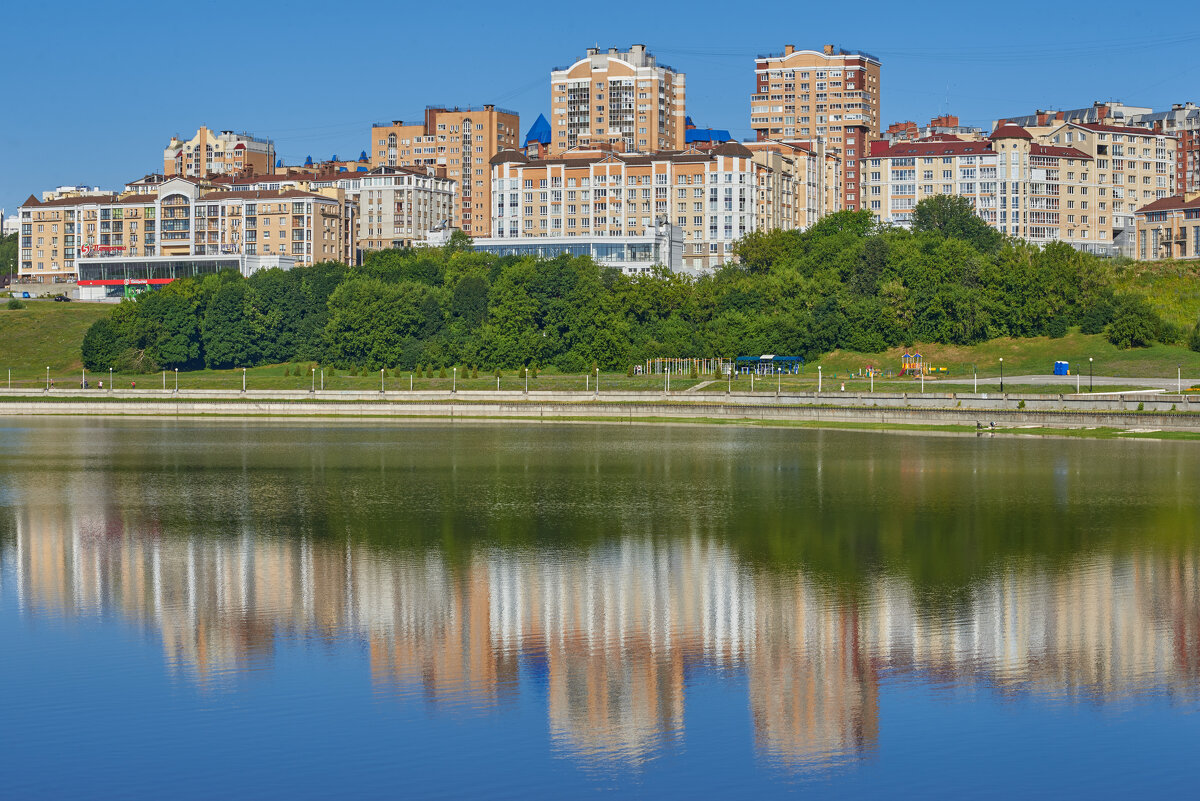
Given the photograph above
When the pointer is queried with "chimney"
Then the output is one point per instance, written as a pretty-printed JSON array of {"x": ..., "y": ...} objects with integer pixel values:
[
  {"x": 1042, "y": 117},
  {"x": 789, "y": 49},
  {"x": 829, "y": 50},
  {"x": 488, "y": 107},
  {"x": 592, "y": 51}
]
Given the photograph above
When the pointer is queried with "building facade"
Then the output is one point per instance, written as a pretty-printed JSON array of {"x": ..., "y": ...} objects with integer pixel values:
[
  {"x": 400, "y": 206},
  {"x": 186, "y": 217},
  {"x": 457, "y": 143},
  {"x": 711, "y": 197},
  {"x": 623, "y": 94},
  {"x": 1183, "y": 122},
  {"x": 831, "y": 95},
  {"x": 1077, "y": 183},
  {"x": 208, "y": 153},
  {"x": 1169, "y": 228},
  {"x": 798, "y": 183}
]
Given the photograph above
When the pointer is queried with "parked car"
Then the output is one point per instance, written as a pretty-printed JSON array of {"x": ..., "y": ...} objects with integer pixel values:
[{"x": 62, "y": 298}]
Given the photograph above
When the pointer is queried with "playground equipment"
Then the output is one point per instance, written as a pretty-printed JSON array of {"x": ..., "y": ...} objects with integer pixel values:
[
  {"x": 911, "y": 364},
  {"x": 686, "y": 366}
]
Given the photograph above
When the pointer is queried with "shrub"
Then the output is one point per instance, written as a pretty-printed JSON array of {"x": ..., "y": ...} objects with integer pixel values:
[
  {"x": 442, "y": 371},
  {"x": 1021, "y": 404},
  {"x": 286, "y": 371},
  {"x": 15, "y": 303},
  {"x": 629, "y": 371},
  {"x": 1194, "y": 340},
  {"x": 1141, "y": 407},
  {"x": 429, "y": 370},
  {"x": 475, "y": 371},
  {"x": 1134, "y": 324},
  {"x": 1057, "y": 327}
]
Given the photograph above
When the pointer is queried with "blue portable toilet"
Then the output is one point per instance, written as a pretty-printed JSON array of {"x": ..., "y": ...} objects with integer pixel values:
[{"x": 1062, "y": 368}]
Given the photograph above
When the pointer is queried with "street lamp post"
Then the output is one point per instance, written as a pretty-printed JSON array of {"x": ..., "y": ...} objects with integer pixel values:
[
  {"x": 975, "y": 378},
  {"x": 1089, "y": 373},
  {"x": 110, "y": 387},
  {"x": 597, "y": 381},
  {"x": 381, "y": 380},
  {"x": 1179, "y": 379},
  {"x": 314, "y": 380},
  {"x": 453, "y": 383},
  {"x": 818, "y": 379},
  {"x": 176, "y": 380},
  {"x": 1001, "y": 375},
  {"x": 243, "y": 380},
  {"x": 47, "y": 378},
  {"x": 322, "y": 379}
]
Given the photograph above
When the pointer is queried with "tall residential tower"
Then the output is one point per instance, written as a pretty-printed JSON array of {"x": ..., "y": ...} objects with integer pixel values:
[
  {"x": 617, "y": 95},
  {"x": 456, "y": 143},
  {"x": 832, "y": 95}
]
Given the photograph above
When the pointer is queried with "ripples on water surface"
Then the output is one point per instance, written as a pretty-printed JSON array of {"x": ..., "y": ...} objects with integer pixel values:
[{"x": 231, "y": 609}]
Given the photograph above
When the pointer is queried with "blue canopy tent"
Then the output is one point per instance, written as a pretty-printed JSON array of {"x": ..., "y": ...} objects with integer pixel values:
[{"x": 769, "y": 364}]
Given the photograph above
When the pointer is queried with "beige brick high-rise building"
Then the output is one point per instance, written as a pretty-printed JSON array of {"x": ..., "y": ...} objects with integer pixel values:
[
  {"x": 209, "y": 153},
  {"x": 617, "y": 93},
  {"x": 831, "y": 95},
  {"x": 1078, "y": 183},
  {"x": 457, "y": 143}
]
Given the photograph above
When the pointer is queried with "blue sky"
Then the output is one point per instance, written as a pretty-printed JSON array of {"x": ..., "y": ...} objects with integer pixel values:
[{"x": 312, "y": 76}]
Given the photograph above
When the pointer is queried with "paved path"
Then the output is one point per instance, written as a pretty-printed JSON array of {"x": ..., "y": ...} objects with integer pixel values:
[
  {"x": 1099, "y": 380},
  {"x": 700, "y": 386}
]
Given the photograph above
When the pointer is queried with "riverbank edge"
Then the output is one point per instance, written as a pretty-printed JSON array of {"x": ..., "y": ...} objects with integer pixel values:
[{"x": 1099, "y": 424}]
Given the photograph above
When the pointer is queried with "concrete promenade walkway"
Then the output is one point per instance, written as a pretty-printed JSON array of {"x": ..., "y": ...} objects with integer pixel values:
[
  {"x": 1069, "y": 380},
  {"x": 1159, "y": 411}
]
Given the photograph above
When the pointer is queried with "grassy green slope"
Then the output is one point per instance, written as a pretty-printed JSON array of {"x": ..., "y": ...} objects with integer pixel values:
[
  {"x": 45, "y": 334},
  {"x": 1035, "y": 355}
]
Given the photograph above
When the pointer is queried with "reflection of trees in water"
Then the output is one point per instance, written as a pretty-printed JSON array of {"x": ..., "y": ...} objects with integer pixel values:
[{"x": 611, "y": 631}]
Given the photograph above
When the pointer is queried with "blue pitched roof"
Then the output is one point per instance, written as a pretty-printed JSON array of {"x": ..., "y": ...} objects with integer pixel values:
[
  {"x": 687, "y": 122},
  {"x": 539, "y": 131},
  {"x": 707, "y": 135}
]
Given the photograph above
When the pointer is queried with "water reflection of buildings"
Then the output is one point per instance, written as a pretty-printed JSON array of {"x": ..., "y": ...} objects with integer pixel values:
[{"x": 616, "y": 629}]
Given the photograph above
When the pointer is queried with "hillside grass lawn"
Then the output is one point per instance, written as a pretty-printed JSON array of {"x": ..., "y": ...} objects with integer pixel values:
[
  {"x": 49, "y": 334},
  {"x": 1172, "y": 287}
]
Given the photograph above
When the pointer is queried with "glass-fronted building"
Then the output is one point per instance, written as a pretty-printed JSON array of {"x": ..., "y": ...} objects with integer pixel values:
[{"x": 116, "y": 277}]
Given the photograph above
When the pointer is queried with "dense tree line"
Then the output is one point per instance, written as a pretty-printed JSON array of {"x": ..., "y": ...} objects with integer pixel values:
[{"x": 844, "y": 283}]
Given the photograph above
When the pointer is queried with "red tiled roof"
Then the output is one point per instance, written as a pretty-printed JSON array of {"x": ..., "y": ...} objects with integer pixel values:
[
  {"x": 1010, "y": 131},
  {"x": 255, "y": 194},
  {"x": 926, "y": 148},
  {"x": 1173, "y": 203},
  {"x": 1096, "y": 126},
  {"x": 1055, "y": 150}
]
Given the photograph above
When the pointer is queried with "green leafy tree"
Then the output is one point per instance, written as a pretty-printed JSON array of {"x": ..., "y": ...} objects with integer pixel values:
[
  {"x": 954, "y": 217},
  {"x": 1134, "y": 323},
  {"x": 104, "y": 346},
  {"x": 229, "y": 335}
]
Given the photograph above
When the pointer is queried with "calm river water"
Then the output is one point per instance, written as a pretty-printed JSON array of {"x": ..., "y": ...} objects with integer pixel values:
[{"x": 228, "y": 609}]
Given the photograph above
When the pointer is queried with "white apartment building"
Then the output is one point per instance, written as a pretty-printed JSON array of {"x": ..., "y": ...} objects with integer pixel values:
[
  {"x": 1077, "y": 183},
  {"x": 710, "y": 197}
]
